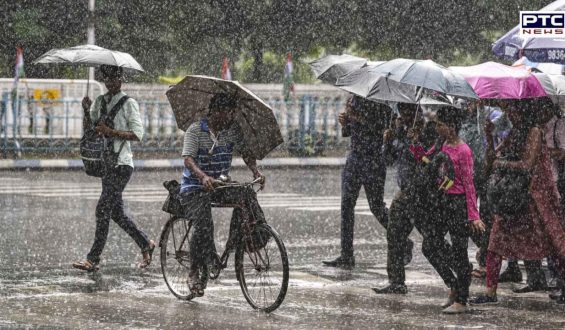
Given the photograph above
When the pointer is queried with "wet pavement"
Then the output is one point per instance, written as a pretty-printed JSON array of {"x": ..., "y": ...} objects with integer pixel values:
[{"x": 47, "y": 222}]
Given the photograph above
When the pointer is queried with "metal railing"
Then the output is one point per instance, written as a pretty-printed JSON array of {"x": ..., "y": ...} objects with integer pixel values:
[{"x": 308, "y": 124}]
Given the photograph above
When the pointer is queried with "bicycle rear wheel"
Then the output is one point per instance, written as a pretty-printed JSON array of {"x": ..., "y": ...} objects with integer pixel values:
[
  {"x": 175, "y": 256},
  {"x": 261, "y": 265}
]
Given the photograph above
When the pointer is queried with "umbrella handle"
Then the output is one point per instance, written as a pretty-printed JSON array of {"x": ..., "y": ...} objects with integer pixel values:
[{"x": 87, "y": 85}]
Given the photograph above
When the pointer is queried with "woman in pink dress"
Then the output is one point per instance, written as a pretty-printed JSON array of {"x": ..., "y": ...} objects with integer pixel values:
[
  {"x": 455, "y": 214},
  {"x": 537, "y": 232}
]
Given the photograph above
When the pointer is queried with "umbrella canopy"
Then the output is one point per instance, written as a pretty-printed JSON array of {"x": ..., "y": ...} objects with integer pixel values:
[
  {"x": 554, "y": 86},
  {"x": 89, "y": 55},
  {"x": 404, "y": 76},
  {"x": 492, "y": 80},
  {"x": 549, "y": 68},
  {"x": 406, "y": 81},
  {"x": 190, "y": 98},
  {"x": 512, "y": 46},
  {"x": 330, "y": 68}
]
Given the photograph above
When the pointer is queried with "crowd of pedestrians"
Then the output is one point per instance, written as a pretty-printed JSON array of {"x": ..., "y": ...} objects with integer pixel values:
[{"x": 492, "y": 173}]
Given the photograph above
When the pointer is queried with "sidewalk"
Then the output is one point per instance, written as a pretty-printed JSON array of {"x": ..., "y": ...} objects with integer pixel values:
[{"x": 151, "y": 164}]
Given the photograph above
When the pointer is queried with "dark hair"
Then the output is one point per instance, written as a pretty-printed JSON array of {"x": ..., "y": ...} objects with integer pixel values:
[
  {"x": 451, "y": 116},
  {"x": 222, "y": 100},
  {"x": 407, "y": 107},
  {"x": 111, "y": 71}
]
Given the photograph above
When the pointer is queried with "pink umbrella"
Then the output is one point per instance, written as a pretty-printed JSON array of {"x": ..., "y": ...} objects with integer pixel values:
[{"x": 493, "y": 80}]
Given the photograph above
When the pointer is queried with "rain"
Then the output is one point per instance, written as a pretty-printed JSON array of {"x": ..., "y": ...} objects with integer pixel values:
[{"x": 277, "y": 164}]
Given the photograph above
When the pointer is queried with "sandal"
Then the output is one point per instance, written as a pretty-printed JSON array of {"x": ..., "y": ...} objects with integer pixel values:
[
  {"x": 147, "y": 255},
  {"x": 479, "y": 273},
  {"x": 195, "y": 285},
  {"x": 87, "y": 265}
]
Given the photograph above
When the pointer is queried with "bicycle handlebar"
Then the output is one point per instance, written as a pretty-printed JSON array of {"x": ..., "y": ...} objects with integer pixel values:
[{"x": 223, "y": 184}]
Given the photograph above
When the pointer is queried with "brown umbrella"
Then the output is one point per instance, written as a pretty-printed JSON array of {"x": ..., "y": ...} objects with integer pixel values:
[{"x": 190, "y": 98}]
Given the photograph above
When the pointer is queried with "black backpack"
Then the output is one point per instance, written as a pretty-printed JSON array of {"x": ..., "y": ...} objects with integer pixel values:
[
  {"x": 96, "y": 150},
  {"x": 432, "y": 178}
]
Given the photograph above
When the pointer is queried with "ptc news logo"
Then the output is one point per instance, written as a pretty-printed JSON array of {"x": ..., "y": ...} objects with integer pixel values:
[{"x": 540, "y": 24}]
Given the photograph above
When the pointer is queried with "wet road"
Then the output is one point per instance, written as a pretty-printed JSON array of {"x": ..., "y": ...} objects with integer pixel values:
[{"x": 47, "y": 221}]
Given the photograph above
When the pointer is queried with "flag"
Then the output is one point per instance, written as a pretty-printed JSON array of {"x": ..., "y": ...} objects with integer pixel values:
[
  {"x": 288, "y": 84},
  {"x": 226, "y": 73},
  {"x": 19, "y": 69}
]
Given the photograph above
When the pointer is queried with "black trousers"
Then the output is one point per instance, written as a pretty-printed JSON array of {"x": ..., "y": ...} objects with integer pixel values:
[
  {"x": 407, "y": 211},
  {"x": 450, "y": 260},
  {"x": 481, "y": 240},
  {"x": 361, "y": 170},
  {"x": 111, "y": 206},
  {"x": 198, "y": 207}
]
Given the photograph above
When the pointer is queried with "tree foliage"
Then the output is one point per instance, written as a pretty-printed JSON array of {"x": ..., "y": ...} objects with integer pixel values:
[{"x": 180, "y": 37}]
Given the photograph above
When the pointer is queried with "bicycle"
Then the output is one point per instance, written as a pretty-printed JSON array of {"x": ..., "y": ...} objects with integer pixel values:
[{"x": 261, "y": 261}]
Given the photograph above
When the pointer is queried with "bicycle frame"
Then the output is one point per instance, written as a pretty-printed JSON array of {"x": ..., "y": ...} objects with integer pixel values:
[{"x": 245, "y": 227}]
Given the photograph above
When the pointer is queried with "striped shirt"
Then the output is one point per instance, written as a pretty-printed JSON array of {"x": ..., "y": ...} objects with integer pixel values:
[{"x": 213, "y": 158}]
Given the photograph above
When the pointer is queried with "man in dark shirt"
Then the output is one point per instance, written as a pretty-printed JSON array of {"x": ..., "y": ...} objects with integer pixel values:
[
  {"x": 408, "y": 208},
  {"x": 365, "y": 122}
]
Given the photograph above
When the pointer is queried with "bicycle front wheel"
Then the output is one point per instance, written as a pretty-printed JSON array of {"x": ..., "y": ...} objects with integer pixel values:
[
  {"x": 175, "y": 256},
  {"x": 261, "y": 265}
]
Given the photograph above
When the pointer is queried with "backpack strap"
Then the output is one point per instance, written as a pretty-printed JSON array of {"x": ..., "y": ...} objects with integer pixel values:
[
  {"x": 108, "y": 118},
  {"x": 117, "y": 108}
]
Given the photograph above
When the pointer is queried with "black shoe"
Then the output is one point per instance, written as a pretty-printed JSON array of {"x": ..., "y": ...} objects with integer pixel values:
[
  {"x": 408, "y": 252},
  {"x": 484, "y": 300},
  {"x": 340, "y": 262},
  {"x": 510, "y": 275},
  {"x": 392, "y": 289},
  {"x": 527, "y": 288}
]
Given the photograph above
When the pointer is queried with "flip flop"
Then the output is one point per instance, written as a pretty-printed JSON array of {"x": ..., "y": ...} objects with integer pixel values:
[
  {"x": 479, "y": 273},
  {"x": 147, "y": 260},
  {"x": 86, "y": 265}
]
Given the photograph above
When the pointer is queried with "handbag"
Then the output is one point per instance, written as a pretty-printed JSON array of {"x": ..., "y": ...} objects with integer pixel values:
[{"x": 508, "y": 192}]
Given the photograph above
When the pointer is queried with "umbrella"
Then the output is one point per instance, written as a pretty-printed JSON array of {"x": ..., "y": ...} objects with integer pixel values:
[
  {"x": 89, "y": 55},
  {"x": 331, "y": 67},
  {"x": 404, "y": 80},
  {"x": 512, "y": 46},
  {"x": 554, "y": 86},
  {"x": 493, "y": 80},
  {"x": 549, "y": 68},
  {"x": 190, "y": 98}
]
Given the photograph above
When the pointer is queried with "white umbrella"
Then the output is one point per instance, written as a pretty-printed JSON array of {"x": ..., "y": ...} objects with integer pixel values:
[
  {"x": 330, "y": 68},
  {"x": 554, "y": 86},
  {"x": 89, "y": 55}
]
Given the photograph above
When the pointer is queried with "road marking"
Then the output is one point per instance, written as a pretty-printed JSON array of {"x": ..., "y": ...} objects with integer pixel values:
[{"x": 157, "y": 194}]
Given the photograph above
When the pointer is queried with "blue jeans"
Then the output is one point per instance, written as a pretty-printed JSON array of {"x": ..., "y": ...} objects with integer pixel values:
[
  {"x": 111, "y": 206},
  {"x": 361, "y": 170}
]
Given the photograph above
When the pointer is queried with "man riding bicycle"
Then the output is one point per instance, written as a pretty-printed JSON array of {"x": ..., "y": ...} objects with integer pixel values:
[{"x": 207, "y": 151}]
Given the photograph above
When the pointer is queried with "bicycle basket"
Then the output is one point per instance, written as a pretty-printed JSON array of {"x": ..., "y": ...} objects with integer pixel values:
[
  {"x": 172, "y": 204},
  {"x": 259, "y": 239}
]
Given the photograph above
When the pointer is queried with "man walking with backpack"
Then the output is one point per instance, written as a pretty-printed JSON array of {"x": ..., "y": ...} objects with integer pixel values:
[{"x": 117, "y": 118}]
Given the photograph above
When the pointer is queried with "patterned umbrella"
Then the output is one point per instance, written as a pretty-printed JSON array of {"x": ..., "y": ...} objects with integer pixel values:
[
  {"x": 190, "y": 98},
  {"x": 512, "y": 46}
]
